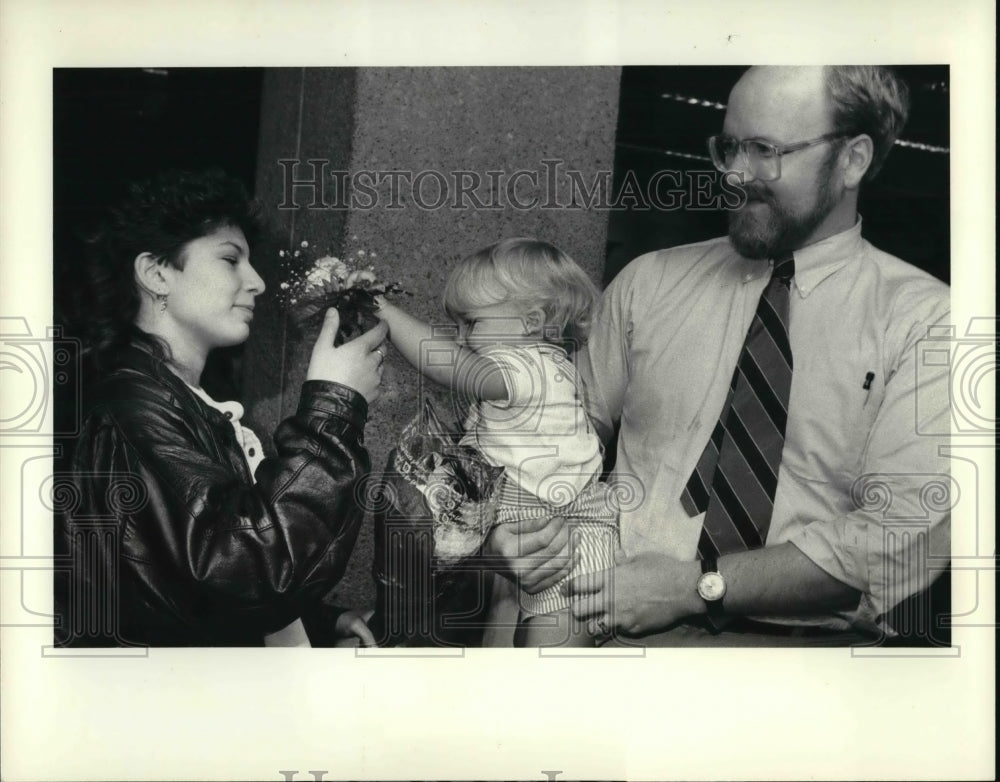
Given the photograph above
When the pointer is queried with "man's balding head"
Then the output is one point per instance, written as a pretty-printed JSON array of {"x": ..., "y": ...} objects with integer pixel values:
[
  {"x": 803, "y": 102},
  {"x": 779, "y": 103}
]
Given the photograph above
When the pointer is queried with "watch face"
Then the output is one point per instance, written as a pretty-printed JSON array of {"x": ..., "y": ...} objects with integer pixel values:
[{"x": 711, "y": 586}]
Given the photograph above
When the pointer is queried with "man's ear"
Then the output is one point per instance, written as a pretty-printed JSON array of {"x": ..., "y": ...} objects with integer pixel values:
[
  {"x": 858, "y": 154},
  {"x": 149, "y": 274},
  {"x": 534, "y": 321}
]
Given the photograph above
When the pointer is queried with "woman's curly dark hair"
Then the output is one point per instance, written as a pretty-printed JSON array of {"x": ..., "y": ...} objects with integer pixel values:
[{"x": 159, "y": 216}]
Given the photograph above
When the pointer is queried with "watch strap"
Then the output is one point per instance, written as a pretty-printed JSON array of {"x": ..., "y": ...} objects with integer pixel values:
[{"x": 714, "y": 612}]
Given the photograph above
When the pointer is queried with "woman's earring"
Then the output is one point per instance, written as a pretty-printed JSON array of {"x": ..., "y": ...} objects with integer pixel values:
[{"x": 162, "y": 298}]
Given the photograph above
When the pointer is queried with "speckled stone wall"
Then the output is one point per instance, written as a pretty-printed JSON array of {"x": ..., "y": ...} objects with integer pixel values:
[{"x": 430, "y": 125}]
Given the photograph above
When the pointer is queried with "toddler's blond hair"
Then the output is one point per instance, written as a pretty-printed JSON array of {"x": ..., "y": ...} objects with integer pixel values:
[{"x": 530, "y": 272}]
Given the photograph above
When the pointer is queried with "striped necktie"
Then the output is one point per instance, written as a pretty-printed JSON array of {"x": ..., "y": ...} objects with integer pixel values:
[{"x": 736, "y": 477}]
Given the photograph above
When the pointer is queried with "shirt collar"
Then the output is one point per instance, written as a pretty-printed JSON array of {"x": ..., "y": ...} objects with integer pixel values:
[
  {"x": 231, "y": 410},
  {"x": 815, "y": 262}
]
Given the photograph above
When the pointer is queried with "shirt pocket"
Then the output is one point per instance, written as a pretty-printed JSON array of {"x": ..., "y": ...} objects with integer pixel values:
[{"x": 831, "y": 413}]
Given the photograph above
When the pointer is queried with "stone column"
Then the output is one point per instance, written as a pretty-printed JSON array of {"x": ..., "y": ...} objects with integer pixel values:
[{"x": 431, "y": 124}]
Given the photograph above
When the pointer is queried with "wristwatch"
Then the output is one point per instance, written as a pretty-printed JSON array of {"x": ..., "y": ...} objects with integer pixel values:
[{"x": 711, "y": 589}]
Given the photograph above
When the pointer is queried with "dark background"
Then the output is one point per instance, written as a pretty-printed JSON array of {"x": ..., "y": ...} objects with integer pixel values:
[{"x": 113, "y": 126}]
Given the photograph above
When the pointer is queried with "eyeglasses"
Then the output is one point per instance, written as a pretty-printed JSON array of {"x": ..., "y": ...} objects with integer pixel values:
[{"x": 761, "y": 158}]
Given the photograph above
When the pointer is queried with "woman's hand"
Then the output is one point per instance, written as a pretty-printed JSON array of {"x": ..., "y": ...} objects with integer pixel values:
[
  {"x": 353, "y": 629},
  {"x": 533, "y": 552},
  {"x": 356, "y": 364}
]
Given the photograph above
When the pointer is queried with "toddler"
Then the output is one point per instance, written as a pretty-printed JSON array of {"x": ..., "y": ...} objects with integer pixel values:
[{"x": 522, "y": 307}]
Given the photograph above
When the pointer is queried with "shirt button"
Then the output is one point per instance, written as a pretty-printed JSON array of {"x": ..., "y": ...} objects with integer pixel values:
[
  {"x": 252, "y": 452},
  {"x": 229, "y": 415}
]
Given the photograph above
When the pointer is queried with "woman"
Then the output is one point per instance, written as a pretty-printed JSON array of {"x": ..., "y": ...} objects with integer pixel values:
[{"x": 203, "y": 543}]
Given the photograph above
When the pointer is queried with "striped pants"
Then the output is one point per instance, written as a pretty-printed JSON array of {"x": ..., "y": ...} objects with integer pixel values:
[{"x": 593, "y": 521}]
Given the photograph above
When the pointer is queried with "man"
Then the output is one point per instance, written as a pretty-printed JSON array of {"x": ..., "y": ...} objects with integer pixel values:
[{"x": 757, "y": 523}]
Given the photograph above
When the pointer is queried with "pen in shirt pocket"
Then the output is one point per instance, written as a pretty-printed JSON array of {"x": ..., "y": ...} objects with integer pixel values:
[{"x": 867, "y": 387}]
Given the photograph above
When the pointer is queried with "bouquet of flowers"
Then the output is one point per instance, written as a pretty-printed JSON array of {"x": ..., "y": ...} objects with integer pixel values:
[{"x": 311, "y": 287}]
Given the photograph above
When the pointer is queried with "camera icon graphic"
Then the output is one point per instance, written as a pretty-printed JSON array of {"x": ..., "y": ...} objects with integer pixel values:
[
  {"x": 964, "y": 369},
  {"x": 33, "y": 369}
]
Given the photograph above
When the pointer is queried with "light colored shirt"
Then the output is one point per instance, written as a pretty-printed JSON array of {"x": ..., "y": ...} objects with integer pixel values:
[
  {"x": 866, "y": 415},
  {"x": 541, "y": 433},
  {"x": 233, "y": 411},
  {"x": 542, "y": 436}
]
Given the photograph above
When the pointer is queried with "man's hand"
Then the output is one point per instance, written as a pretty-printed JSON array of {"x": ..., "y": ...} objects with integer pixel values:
[
  {"x": 640, "y": 595},
  {"x": 534, "y": 553}
]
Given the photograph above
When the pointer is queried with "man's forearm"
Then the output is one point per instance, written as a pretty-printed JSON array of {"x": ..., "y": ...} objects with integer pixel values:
[
  {"x": 650, "y": 591},
  {"x": 781, "y": 580}
]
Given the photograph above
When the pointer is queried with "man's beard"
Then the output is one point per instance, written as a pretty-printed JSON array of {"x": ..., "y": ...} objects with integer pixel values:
[{"x": 779, "y": 230}]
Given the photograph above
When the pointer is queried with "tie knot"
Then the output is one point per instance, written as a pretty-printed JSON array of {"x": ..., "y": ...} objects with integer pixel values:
[{"x": 784, "y": 268}]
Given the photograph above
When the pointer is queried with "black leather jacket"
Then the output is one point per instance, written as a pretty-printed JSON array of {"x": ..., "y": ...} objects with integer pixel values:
[{"x": 168, "y": 539}]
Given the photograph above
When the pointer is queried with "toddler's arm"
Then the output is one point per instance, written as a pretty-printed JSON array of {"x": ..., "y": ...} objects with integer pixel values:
[{"x": 467, "y": 372}]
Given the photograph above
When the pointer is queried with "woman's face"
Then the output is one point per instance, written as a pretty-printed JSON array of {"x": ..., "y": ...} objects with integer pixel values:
[{"x": 211, "y": 299}]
